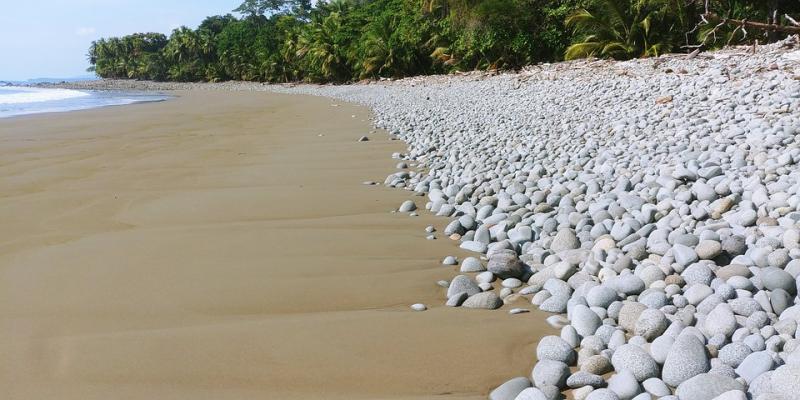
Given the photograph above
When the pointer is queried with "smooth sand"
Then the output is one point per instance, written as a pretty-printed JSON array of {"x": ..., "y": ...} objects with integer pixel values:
[{"x": 215, "y": 247}]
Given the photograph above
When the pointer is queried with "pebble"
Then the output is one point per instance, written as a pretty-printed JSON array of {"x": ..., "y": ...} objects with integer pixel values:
[
  {"x": 471, "y": 264},
  {"x": 485, "y": 300},
  {"x": 550, "y": 373},
  {"x": 650, "y": 324},
  {"x": 584, "y": 320},
  {"x": 624, "y": 385},
  {"x": 505, "y": 264},
  {"x": 656, "y": 387},
  {"x": 633, "y": 358},
  {"x": 419, "y": 307},
  {"x": 687, "y": 358},
  {"x": 602, "y": 394},
  {"x": 555, "y": 348},
  {"x": 457, "y": 299},
  {"x": 462, "y": 284},
  {"x": 581, "y": 379},
  {"x": 510, "y": 389},
  {"x": 407, "y": 206},
  {"x": 706, "y": 387},
  {"x": 754, "y": 365}
]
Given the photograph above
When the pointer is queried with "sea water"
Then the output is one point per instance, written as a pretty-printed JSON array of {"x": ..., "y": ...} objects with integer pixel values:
[{"x": 19, "y": 100}]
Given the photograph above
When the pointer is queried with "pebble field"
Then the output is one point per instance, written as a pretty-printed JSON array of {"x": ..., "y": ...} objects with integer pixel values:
[{"x": 652, "y": 206}]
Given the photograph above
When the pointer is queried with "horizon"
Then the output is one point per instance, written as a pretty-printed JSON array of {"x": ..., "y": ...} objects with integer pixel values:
[{"x": 55, "y": 42}]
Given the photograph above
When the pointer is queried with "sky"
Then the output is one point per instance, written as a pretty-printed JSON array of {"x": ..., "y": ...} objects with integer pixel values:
[{"x": 50, "y": 38}]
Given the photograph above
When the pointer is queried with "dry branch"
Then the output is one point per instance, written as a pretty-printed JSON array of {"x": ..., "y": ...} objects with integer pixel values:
[{"x": 755, "y": 25}]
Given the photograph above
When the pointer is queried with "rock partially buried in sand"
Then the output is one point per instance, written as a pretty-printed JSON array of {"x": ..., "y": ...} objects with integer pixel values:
[
  {"x": 407, "y": 206},
  {"x": 485, "y": 300},
  {"x": 510, "y": 389},
  {"x": 363, "y": 139},
  {"x": 462, "y": 284}
]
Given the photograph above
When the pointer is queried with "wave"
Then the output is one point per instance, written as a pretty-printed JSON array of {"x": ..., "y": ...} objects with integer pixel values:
[{"x": 22, "y": 95}]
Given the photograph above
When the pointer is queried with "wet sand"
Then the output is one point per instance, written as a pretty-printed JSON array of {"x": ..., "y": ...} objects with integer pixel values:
[{"x": 215, "y": 247}]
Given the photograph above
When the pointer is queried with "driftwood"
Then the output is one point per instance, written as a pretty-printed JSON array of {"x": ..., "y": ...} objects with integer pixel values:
[{"x": 743, "y": 23}]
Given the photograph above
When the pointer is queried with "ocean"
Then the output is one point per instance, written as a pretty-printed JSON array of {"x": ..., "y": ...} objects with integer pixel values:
[{"x": 20, "y": 100}]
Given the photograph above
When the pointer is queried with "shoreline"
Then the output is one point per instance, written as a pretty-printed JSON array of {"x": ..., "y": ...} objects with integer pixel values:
[
  {"x": 169, "y": 258},
  {"x": 624, "y": 194},
  {"x": 87, "y": 100}
]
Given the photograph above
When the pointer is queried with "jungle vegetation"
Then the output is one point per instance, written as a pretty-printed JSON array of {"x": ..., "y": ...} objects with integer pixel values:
[{"x": 347, "y": 40}]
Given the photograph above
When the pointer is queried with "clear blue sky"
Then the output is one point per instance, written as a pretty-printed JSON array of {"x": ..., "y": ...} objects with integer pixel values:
[{"x": 49, "y": 38}]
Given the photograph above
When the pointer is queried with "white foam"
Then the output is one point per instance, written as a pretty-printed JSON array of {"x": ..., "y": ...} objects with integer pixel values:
[{"x": 22, "y": 95}]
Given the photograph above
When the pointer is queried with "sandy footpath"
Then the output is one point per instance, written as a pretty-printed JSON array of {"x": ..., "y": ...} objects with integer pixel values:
[{"x": 215, "y": 247}]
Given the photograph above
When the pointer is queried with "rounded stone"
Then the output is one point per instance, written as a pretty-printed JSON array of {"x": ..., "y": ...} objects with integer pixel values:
[
  {"x": 462, "y": 283},
  {"x": 708, "y": 249},
  {"x": 687, "y": 358},
  {"x": 785, "y": 381},
  {"x": 602, "y": 394},
  {"x": 472, "y": 264},
  {"x": 734, "y": 353},
  {"x": 754, "y": 365},
  {"x": 505, "y": 264},
  {"x": 550, "y": 373},
  {"x": 485, "y": 300},
  {"x": 597, "y": 364},
  {"x": 720, "y": 321},
  {"x": 584, "y": 320},
  {"x": 600, "y": 296},
  {"x": 510, "y": 389},
  {"x": 634, "y": 359},
  {"x": 656, "y": 387},
  {"x": 555, "y": 348},
  {"x": 706, "y": 387},
  {"x": 407, "y": 206},
  {"x": 650, "y": 324},
  {"x": 580, "y": 379},
  {"x": 565, "y": 239},
  {"x": 625, "y": 385}
]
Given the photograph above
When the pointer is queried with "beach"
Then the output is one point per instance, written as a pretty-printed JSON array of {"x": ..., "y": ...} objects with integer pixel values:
[{"x": 222, "y": 245}]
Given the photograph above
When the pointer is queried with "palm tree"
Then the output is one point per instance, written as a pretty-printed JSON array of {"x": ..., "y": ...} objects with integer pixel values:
[
  {"x": 620, "y": 29},
  {"x": 320, "y": 47}
]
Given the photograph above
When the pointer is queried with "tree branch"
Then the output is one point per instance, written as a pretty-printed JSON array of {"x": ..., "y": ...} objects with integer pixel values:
[{"x": 755, "y": 25}]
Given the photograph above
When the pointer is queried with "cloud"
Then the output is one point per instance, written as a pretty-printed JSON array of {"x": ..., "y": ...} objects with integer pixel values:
[{"x": 85, "y": 31}]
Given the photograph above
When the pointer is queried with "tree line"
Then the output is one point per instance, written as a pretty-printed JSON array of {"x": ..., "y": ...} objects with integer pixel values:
[{"x": 347, "y": 40}]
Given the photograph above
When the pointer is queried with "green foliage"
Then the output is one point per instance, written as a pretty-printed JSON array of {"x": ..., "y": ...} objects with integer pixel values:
[
  {"x": 345, "y": 40},
  {"x": 713, "y": 35},
  {"x": 624, "y": 29},
  {"x": 136, "y": 56},
  {"x": 262, "y": 7}
]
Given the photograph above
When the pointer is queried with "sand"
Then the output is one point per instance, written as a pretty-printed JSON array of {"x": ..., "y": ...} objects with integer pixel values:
[{"x": 215, "y": 247}]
